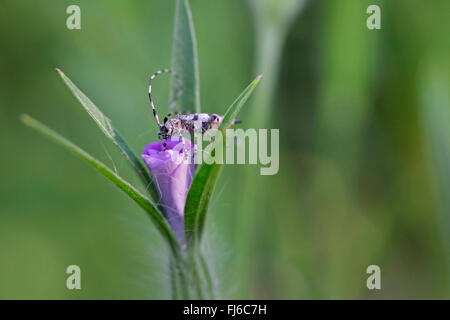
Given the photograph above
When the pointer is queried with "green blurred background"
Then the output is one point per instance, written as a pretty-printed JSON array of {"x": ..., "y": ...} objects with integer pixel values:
[{"x": 364, "y": 125}]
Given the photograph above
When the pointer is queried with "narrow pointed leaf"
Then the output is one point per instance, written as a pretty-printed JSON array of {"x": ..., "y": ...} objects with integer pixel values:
[
  {"x": 237, "y": 105},
  {"x": 111, "y": 132},
  {"x": 154, "y": 214},
  {"x": 184, "y": 61},
  {"x": 205, "y": 180},
  {"x": 197, "y": 201}
]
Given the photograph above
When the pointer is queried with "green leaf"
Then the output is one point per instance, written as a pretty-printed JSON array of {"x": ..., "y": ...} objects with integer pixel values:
[
  {"x": 155, "y": 215},
  {"x": 236, "y": 106},
  {"x": 205, "y": 180},
  {"x": 111, "y": 132},
  {"x": 184, "y": 61},
  {"x": 197, "y": 201}
]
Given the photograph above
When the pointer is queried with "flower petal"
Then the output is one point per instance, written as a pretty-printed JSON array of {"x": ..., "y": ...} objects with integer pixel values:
[{"x": 171, "y": 168}]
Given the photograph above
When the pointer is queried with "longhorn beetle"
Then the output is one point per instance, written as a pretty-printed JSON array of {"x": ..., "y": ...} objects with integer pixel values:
[{"x": 182, "y": 122}]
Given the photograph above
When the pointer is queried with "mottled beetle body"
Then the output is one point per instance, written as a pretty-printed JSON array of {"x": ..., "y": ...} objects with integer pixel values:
[
  {"x": 182, "y": 123},
  {"x": 186, "y": 123}
]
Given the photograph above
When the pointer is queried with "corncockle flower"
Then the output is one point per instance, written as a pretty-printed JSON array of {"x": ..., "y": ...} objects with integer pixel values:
[{"x": 171, "y": 168}]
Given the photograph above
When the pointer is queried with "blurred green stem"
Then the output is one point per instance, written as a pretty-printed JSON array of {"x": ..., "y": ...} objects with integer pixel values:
[
  {"x": 269, "y": 47},
  {"x": 347, "y": 60},
  {"x": 272, "y": 21},
  {"x": 268, "y": 55},
  {"x": 434, "y": 102}
]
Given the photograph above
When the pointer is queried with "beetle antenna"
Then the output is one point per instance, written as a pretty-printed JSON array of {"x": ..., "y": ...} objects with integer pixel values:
[{"x": 153, "y": 76}]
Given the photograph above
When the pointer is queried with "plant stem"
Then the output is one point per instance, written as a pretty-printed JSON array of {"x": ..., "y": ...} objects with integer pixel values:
[
  {"x": 173, "y": 280},
  {"x": 190, "y": 277},
  {"x": 209, "y": 281}
]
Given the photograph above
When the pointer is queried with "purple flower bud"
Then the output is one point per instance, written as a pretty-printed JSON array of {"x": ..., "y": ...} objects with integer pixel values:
[{"x": 171, "y": 170}]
